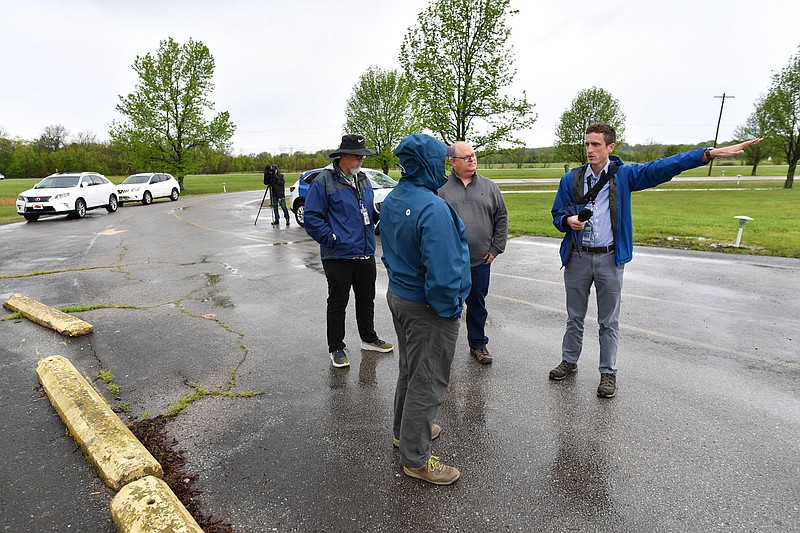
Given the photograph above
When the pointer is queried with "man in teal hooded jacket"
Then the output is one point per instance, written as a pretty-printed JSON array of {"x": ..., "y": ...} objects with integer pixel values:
[{"x": 427, "y": 258}]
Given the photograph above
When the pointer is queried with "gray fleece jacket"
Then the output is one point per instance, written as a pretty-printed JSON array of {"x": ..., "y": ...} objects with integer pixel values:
[{"x": 481, "y": 207}]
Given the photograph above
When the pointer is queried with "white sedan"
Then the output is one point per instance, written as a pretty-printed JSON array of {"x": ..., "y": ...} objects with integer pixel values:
[
  {"x": 147, "y": 186},
  {"x": 71, "y": 193}
]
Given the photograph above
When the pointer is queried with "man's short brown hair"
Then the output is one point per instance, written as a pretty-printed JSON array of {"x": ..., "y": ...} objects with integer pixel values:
[{"x": 609, "y": 134}]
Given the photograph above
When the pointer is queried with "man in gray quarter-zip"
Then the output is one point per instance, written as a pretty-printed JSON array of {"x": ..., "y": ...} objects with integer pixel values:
[{"x": 479, "y": 204}]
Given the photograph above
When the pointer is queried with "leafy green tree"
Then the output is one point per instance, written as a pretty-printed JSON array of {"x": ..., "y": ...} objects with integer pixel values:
[
  {"x": 756, "y": 125},
  {"x": 782, "y": 112},
  {"x": 381, "y": 109},
  {"x": 457, "y": 59},
  {"x": 53, "y": 138},
  {"x": 165, "y": 127},
  {"x": 591, "y": 106},
  {"x": 25, "y": 162}
]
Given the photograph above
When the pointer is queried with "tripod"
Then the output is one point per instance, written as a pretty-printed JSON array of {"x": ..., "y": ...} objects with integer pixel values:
[{"x": 267, "y": 190}]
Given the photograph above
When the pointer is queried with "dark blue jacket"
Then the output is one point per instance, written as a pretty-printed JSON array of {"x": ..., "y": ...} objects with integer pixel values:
[
  {"x": 333, "y": 216},
  {"x": 629, "y": 178},
  {"x": 424, "y": 242}
]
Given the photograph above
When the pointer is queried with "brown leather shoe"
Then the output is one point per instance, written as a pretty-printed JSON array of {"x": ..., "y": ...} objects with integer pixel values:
[
  {"x": 482, "y": 355},
  {"x": 434, "y": 471}
]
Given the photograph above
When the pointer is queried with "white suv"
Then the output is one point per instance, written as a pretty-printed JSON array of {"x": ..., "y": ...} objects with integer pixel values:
[
  {"x": 72, "y": 193},
  {"x": 147, "y": 186},
  {"x": 382, "y": 185}
]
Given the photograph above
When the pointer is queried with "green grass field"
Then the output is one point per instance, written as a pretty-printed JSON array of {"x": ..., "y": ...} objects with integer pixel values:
[
  {"x": 695, "y": 215},
  {"x": 698, "y": 220}
]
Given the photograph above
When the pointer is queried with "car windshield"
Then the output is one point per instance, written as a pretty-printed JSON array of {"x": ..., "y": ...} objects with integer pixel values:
[
  {"x": 136, "y": 178},
  {"x": 381, "y": 180},
  {"x": 57, "y": 182}
]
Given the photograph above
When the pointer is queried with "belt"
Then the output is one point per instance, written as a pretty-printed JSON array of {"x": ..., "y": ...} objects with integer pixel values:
[{"x": 597, "y": 249}]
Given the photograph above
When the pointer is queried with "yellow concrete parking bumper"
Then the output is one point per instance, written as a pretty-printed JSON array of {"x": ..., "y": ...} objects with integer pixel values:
[
  {"x": 109, "y": 445},
  {"x": 47, "y": 316},
  {"x": 144, "y": 503},
  {"x": 148, "y": 506}
]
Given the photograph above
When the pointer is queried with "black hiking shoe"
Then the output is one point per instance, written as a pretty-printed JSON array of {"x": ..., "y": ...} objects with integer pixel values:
[
  {"x": 608, "y": 386},
  {"x": 563, "y": 370}
]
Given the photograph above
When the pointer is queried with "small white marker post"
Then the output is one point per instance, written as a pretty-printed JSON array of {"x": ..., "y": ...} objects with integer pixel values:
[{"x": 742, "y": 221}]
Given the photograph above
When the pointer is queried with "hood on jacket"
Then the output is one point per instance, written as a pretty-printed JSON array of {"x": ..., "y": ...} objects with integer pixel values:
[{"x": 422, "y": 160}]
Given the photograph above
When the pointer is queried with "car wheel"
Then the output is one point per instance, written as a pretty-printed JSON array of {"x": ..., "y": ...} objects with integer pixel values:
[
  {"x": 299, "y": 210},
  {"x": 174, "y": 195},
  {"x": 147, "y": 198},
  {"x": 31, "y": 218},
  {"x": 112, "y": 204},
  {"x": 80, "y": 208}
]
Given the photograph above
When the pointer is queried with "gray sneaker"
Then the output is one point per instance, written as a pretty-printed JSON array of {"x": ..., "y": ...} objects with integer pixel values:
[
  {"x": 339, "y": 358},
  {"x": 377, "y": 346},
  {"x": 563, "y": 370},
  {"x": 608, "y": 386}
]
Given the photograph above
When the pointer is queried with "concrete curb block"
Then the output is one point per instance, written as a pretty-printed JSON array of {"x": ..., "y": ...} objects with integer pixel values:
[
  {"x": 47, "y": 316},
  {"x": 106, "y": 441},
  {"x": 148, "y": 505}
]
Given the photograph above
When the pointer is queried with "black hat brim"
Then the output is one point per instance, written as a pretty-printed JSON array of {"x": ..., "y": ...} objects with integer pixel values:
[{"x": 355, "y": 151}]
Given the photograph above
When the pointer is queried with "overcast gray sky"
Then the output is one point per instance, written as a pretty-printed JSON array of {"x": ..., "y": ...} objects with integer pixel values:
[{"x": 284, "y": 69}]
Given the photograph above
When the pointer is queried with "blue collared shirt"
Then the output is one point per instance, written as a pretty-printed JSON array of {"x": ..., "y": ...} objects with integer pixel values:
[{"x": 601, "y": 219}]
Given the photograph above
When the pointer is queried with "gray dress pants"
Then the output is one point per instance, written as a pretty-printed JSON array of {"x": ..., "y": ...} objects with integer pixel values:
[
  {"x": 581, "y": 271},
  {"x": 426, "y": 345}
]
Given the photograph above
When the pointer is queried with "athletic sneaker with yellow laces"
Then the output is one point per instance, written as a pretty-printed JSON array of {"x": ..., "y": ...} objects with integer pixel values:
[{"x": 434, "y": 471}]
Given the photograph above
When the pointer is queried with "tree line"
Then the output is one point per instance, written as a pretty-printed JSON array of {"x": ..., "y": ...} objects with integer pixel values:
[
  {"x": 37, "y": 159},
  {"x": 56, "y": 150}
]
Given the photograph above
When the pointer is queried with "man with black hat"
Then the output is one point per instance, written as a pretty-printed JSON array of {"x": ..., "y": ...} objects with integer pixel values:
[{"x": 339, "y": 216}]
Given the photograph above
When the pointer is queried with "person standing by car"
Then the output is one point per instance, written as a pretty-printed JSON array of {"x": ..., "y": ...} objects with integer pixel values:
[
  {"x": 593, "y": 208},
  {"x": 339, "y": 215},
  {"x": 479, "y": 203},
  {"x": 277, "y": 192},
  {"x": 426, "y": 255}
]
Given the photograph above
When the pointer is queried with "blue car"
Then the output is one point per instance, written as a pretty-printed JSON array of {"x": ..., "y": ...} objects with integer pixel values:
[{"x": 381, "y": 186}]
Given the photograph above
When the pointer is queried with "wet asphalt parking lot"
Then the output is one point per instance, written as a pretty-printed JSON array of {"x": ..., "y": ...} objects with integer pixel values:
[{"x": 702, "y": 436}]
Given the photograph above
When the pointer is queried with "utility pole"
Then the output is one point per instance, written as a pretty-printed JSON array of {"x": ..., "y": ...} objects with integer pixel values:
[{"x": 716, "y": 135}]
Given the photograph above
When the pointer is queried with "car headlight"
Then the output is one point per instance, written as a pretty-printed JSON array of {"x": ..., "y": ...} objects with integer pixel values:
[
  {"x": 61, "y": 196},
  {"x": 21, "y": 198}
]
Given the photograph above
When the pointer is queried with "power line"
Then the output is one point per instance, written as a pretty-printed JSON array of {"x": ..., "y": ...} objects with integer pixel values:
[{"x": 716, "y": 135}]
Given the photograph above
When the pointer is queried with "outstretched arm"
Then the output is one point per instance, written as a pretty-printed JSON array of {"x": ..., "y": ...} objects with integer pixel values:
[{"x": 729, "y": 151}]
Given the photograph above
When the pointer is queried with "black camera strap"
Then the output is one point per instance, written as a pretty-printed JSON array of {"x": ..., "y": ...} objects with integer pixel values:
[{"x": 592, "y": 192}]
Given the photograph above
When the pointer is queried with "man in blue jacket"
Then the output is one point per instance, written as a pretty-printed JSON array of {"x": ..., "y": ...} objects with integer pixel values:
[
  {"x": 426, "y": 255},
  {"x": 595, "y": 249},
  {"x": 339, "y": 216}
]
